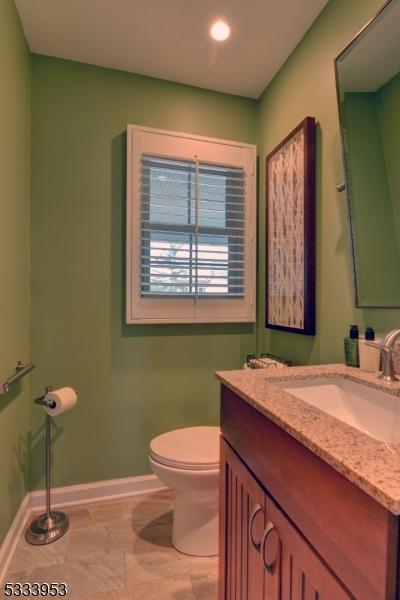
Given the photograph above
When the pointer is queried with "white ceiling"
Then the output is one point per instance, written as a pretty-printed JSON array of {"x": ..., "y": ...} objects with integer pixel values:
[{"x": 169, "y": 38}]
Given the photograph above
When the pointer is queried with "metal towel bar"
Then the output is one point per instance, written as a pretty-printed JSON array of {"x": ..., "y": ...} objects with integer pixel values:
[{"x": 20, "y": 371}]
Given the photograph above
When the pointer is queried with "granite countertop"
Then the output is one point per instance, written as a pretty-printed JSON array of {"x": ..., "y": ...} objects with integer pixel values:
[{"x": 372, "y": 465}]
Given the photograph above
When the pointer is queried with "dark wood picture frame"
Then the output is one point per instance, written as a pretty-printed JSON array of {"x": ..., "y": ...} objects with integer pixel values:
[{"x": 307, "y": 319}]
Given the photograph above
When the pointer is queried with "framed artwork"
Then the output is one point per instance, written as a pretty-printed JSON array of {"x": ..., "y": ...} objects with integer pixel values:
[{"x": 290, "y": 235}]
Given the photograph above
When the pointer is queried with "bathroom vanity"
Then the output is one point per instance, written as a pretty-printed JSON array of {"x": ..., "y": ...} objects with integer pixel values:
[{"x": 309, "y": 504}]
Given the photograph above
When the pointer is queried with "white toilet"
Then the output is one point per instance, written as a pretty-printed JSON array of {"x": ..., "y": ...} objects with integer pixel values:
[{"x": 187, "y": 461}]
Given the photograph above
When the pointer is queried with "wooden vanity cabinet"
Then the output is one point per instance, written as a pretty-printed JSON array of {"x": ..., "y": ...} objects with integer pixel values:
[
  {"x": 262, "y": 555},
  {"x": 278, "y": 544}
]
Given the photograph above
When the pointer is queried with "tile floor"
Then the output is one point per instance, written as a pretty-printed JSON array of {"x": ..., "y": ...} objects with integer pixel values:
[{"x": 118, "y": 550}]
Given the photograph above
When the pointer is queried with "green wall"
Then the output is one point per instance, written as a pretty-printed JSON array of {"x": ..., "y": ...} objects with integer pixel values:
[
  {"x": 134, "y": 381},
  {"x": 306, "y": 86},
  {"x": 14, "y": 257}
]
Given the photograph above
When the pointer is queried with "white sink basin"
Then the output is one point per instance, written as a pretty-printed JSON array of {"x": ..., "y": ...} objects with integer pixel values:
[{"x": 371, "y": 411}]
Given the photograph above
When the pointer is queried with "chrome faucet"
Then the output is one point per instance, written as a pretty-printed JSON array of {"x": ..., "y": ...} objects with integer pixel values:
[{"x": 386, "y": 348}]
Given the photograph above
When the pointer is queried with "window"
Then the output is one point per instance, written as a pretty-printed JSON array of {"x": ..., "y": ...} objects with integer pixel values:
[{"x": 190, "y": 229}]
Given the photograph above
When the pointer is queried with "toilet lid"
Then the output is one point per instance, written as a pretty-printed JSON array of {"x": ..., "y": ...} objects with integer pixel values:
[{"x": 195, "y": 448}]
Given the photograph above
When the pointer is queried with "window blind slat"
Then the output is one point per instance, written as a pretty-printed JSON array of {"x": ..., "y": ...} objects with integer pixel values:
[
  {"x": 213, "y": 294},
  {"x": 201, "y": 265},
  {"x": 177, "y": 194},
  {"x": 208, "y": 206},
  {"x": 152, "y": 225},
  {"x": 146, "y": 179},
  {"x": 206, "y": 212}
]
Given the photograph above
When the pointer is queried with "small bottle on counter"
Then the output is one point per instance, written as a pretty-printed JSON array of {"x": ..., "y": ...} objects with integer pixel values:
[
  {"x": 351, "y": 354},
  {"x": 369, "y": 356}
]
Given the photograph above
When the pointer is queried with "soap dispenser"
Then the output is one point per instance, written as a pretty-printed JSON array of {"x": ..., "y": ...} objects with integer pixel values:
[{"x": 351, "y": 353}]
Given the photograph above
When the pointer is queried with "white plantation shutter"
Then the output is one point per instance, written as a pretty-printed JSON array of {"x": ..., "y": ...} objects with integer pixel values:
[
  {"x": 192, "y": 229},
  {"x": 191, "y": 218}
]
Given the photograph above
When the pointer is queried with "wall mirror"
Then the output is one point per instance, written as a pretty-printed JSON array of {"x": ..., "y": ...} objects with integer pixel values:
[{"x": 368, "y": 88}]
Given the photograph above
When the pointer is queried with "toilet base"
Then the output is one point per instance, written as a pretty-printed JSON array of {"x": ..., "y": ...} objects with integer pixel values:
[
  {"x": 195, "y": 519},
  {"x": 195, "y": 525}
]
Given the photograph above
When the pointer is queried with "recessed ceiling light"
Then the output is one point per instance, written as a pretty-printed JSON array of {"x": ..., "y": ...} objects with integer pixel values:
[{"x": 220, "y": 31}]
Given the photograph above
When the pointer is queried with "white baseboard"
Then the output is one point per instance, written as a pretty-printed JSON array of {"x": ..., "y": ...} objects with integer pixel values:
[
  {"x": 7, "y": 548},
  {"x": 97, "y": 491},
  {"x": 73, "y": 495}
]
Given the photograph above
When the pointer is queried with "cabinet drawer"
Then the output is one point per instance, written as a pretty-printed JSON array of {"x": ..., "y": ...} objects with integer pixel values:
[{"x": 353, "y": 534}]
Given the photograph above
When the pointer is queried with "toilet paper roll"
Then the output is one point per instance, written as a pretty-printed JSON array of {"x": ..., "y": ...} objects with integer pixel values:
[{"x": 59, "y": 401}]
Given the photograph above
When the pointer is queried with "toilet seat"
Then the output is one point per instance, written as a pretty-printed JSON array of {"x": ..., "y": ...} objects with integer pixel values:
[{"x": 192, "y": 448}]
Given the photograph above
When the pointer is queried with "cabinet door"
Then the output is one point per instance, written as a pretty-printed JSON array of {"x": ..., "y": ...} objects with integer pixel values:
[
  {"x": 243, "y": 575},
  {"x": 303, "y": 574}
]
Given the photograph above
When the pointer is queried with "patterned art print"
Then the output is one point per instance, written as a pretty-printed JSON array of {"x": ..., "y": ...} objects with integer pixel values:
[{"x": 286, "y": 235}]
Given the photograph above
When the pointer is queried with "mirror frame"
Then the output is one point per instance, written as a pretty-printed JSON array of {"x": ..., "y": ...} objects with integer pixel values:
[{"x": 340, "y": 56}]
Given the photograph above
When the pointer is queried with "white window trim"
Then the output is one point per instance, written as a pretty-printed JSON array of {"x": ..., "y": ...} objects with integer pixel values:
[{"x": 145, "y": 310}]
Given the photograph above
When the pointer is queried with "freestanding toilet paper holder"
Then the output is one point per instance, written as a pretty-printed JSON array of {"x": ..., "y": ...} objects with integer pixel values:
[{"x": 51, "y": 525}]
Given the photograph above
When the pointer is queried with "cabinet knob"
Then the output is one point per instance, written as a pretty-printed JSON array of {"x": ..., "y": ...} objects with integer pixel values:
[
  {"x": 257, "y": 508},
  {"x": 268, "y": 566}
]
